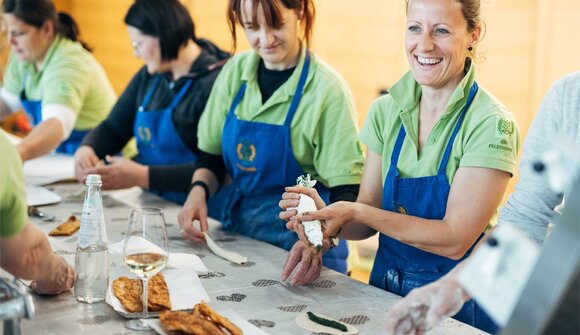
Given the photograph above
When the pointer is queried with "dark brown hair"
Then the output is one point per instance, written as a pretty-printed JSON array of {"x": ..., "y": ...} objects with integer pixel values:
[
  {"x": 37, "y": 12},
  {"x": 272, "y": 15},
  {"x": 168, "y": 20}
]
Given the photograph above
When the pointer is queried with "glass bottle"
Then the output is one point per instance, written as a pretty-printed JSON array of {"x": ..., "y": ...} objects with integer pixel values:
[{"x": 92, "y": 255}]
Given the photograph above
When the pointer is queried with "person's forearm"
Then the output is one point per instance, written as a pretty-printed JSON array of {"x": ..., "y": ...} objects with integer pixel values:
[
  {"x": 436, "y": 236},
  {"x": 42, "y": 140},
  {"x": 106, "y": 140},
  {"x": 208, "y": 177},
  {"x": 29, "y": 255},
  {"x": 174, "y": 178}
]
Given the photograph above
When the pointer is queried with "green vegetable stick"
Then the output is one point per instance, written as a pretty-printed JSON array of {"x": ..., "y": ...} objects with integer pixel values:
[{"x": 325, "y": 322}]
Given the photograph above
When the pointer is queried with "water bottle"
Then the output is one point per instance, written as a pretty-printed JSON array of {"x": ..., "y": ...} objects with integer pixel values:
[{"x": 92, "y": 255}]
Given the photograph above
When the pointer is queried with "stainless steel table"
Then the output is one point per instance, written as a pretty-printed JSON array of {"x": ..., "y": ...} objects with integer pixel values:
[{"x": 254, "y": 290}]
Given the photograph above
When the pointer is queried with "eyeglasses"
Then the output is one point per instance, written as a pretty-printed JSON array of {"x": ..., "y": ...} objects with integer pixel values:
[{"x": 15, "y": 34}]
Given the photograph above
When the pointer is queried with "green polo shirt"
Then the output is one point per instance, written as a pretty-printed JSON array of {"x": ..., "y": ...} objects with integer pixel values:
[
  {"x": 12, "y": 194},
  {"x": 70, "y": 76},
  {"x": 323, "y": 131},
  {"x": 487, "y": 138}
]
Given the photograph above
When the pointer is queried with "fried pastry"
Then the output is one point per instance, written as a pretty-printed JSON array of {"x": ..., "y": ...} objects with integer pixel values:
[
  {"x": 129, "y": 292},
  {"x": 199, "y": 321},
  {"x": 216, "y": 318},
  {"x": 188, "y": 323},
  {"x": 67, "y": 228}
]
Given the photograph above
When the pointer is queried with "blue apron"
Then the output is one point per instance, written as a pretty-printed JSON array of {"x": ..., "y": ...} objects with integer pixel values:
[
  {"x": 399, "y": 267},
  {"x": 261, "y": 162},
  {"x": 33, "y": 109},
  {"x": 158, "y": 141}
]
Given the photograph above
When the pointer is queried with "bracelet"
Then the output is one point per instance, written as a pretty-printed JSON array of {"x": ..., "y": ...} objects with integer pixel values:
[
  {"x": 334, "y": 240},
  {"x": 203, "y": 185}
]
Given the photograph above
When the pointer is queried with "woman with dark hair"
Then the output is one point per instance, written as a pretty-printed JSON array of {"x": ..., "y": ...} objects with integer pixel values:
[
  {"x": 275, "y": 113},
  {"x": 53, "y": 77},
  {"x": 161, "y": 106}
]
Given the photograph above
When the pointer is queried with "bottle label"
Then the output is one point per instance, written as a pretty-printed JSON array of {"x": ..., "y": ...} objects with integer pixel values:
[{"x": 89, "y": 233}]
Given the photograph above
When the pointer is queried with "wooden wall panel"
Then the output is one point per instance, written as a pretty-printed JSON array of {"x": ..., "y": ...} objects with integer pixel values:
[
  {"x": 102, "y": 27},
  {"x": 528, "y": 44}
]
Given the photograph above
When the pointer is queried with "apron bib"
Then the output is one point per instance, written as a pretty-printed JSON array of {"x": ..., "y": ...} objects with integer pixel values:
[
  {"x": 158, "y": 141},
  {"x": 399, "y": 267},
  {"x": 260, "y": 159}
]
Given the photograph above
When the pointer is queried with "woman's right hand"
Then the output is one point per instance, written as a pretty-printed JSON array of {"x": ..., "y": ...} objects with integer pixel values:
[
  {"x": 85, "y": 159},
  {"x": 61, "y": 279},
  {"x": 194, "y": 208}
]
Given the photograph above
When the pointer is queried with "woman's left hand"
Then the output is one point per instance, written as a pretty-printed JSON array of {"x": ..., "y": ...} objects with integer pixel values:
[
  {"x": 122, "y": 173},
  {"x": 303, "y": 264}
]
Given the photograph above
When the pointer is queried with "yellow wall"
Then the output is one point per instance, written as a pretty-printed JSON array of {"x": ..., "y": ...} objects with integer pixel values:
[{"x": 528, "y": 44}]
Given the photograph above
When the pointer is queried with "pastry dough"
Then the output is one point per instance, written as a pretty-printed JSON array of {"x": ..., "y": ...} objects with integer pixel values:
[{"x": 225, "y": 254}]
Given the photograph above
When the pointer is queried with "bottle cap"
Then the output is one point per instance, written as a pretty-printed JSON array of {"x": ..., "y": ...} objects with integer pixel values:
[{"x": 93, "y": 179}]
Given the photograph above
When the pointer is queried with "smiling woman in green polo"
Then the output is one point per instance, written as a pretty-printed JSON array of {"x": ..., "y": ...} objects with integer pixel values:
[{"x": 441, "y": 151}]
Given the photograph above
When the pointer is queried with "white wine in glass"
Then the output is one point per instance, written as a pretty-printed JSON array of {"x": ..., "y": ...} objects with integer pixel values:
[{"x": 145, "y": 252}]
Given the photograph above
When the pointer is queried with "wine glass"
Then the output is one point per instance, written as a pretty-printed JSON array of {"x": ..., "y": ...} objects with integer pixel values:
[{"x": 145, "y": 251}]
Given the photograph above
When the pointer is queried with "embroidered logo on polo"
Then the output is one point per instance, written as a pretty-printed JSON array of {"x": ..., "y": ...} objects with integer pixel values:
[
  {"x": 212, "y": 275},
  {"x": 94, "y": 320},
  {"x": 265, "y": 282},
  {"x": 246, "y": 154},
  {"x": 235, "y": 297},
  {"x": 355, "y": 320},
  {"x": 324, "y": 284},
  {"x": 262, "y": 323},
  {"x": 505, "y": 128},
  {"x": 292, "y": 308},
  {"x": 243, "y": 265}
]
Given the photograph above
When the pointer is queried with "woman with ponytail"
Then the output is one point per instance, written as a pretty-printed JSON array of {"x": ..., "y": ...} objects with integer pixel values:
[{"x": 53, "y": 76}]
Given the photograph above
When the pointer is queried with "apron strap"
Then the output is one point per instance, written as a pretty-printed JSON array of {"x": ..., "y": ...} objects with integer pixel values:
[
  {"x": 238, "y": 98},
  {"x": 299, "y": 89},
  {"x": 397, "y": 148},
  {"x": 445, "y": 159},
  {"x": 149, "y": 93},
  {"x": 180, "y": 95}
]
